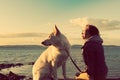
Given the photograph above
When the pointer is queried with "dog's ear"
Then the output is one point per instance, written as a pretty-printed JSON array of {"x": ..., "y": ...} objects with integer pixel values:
[{"x": 56, "y": 31}]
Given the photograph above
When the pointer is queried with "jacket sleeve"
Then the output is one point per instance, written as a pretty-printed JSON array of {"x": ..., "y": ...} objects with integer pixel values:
[{"x": 89, "y": 58}]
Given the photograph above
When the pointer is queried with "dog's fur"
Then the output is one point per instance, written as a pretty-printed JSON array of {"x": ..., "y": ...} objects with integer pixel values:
[{"x": 53, "y": 57}]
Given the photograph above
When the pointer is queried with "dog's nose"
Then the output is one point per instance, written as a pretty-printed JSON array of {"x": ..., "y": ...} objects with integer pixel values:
[{"x": 43, "y": 42}]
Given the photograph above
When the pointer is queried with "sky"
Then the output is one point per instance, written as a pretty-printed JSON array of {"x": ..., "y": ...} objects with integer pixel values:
[{"x": 29, "y": 22}]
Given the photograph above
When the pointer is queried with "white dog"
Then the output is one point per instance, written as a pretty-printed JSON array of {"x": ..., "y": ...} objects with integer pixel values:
[{"x": 53, "y": 57}]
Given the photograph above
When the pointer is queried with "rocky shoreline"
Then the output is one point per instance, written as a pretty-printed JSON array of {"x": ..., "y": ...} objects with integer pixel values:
[
  {"x": 9, "y": 65},
  {"x": 13, "y": 76}
]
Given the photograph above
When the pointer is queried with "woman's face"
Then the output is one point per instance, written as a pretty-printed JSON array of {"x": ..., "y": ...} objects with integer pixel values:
[{"x": 85, "y": 33}]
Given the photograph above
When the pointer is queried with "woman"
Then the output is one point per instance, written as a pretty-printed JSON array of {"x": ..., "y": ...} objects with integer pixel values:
[{"x": 93, "y": 53}]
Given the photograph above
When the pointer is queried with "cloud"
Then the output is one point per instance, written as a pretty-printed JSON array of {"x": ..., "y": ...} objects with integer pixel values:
[
  {"x": 103, "y": 24},
  {"x": 19, "y": 35}
]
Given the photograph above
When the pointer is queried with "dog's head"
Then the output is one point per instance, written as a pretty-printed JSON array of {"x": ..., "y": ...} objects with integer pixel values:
[{"x": 53, "y": 38}]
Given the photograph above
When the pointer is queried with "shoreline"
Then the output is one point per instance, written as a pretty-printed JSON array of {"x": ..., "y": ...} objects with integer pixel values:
[{"x": 14, "y": 76}]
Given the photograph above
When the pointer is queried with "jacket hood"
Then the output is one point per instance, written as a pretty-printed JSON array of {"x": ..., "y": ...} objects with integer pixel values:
[{"x": 95, "y": 38}]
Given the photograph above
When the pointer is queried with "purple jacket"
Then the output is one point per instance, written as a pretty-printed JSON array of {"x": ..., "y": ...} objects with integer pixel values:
[{"x": 93, "y": 55}]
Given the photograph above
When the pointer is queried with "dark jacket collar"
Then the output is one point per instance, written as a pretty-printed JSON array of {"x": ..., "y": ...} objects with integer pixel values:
[{"x": 95, "y": 38}]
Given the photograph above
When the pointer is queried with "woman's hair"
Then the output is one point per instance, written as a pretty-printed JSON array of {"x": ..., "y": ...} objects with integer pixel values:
[{"x": 93, "y": 30}]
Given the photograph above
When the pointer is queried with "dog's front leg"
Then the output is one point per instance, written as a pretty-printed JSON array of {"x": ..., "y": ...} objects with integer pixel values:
[
  {"x": 64, "y": 70},
  {"x": 54, "y": 70}
]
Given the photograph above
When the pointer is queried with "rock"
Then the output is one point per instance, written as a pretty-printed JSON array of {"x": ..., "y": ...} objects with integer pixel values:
[
  {"x": 3, "y": 77},
  {"x": 13, "y": 76}
]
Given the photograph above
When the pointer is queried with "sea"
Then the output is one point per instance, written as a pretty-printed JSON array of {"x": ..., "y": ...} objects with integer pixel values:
[{"x": 29, "y": 53}]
